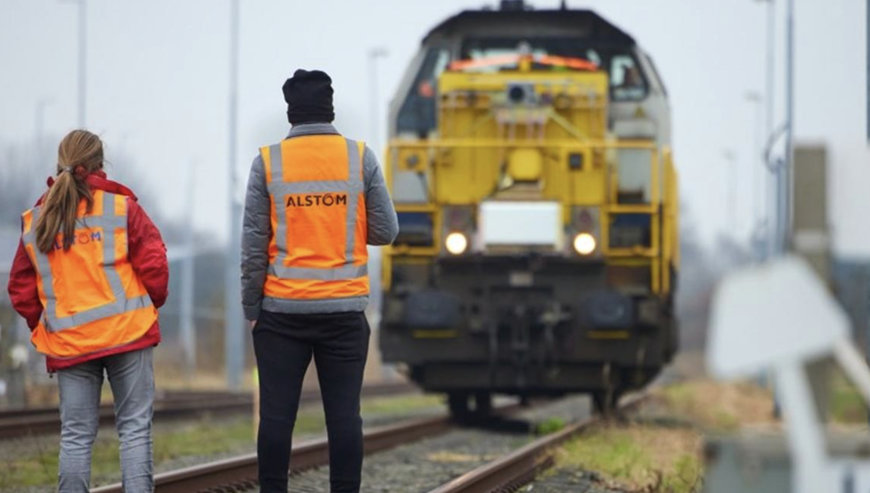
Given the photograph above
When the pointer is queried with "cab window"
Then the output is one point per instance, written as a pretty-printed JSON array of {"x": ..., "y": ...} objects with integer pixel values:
[
  {"x": 626, "y": 81},
  {"x": 482, "y": 48},
  {"x": 417, "y": 114}
]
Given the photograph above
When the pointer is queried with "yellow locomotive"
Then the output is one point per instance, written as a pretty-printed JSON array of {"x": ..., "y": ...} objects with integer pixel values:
[{"x": 530, "y": 164}]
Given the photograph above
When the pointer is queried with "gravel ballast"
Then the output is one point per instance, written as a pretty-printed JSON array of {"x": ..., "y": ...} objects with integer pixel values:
[{"x": 424, "y": 465}]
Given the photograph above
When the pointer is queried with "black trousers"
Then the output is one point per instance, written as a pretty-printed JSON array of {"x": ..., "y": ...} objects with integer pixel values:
[{"x": 284, "y": 344}]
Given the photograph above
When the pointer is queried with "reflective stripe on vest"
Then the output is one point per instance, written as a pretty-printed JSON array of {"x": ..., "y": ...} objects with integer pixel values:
[
  {"x": 279, "y": 190},
  {"x": 108, "y": 221}
]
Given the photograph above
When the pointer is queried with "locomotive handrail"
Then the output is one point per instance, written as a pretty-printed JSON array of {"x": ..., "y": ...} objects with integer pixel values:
[
  {"x": 471, "y": 142},
  {"x": 518, "y": 59}
]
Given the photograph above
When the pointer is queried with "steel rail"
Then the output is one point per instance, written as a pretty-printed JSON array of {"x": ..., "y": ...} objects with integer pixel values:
[
  {"x": 170, "y": 405},
  {"x": 168, "y": 396},
  {"x": 47, "y": 422},
  {"x": 241, "y": 472},
  {"x": 511, "y": 471}
]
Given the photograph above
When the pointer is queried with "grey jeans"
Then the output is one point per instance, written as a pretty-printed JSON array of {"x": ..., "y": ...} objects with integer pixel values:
[{"x": 131, "y": 376}]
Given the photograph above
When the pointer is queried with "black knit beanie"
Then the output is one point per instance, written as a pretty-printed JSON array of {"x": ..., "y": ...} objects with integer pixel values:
[{"x": 309, "y": 97}]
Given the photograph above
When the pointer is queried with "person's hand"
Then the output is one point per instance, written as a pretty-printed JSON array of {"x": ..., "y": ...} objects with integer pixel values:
[{"x": 252, "y": 324}]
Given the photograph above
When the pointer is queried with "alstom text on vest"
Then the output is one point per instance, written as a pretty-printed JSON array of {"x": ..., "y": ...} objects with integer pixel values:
[
  {"x": 316, "y": 200},
  {"x": 81, "y": 238}
]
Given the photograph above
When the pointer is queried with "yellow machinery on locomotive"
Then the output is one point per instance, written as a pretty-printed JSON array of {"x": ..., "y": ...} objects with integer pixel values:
[{"x": 538, "y": 211}]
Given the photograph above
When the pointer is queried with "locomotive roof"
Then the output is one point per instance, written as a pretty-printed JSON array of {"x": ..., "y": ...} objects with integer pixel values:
[{"x": 581, "y": 23}]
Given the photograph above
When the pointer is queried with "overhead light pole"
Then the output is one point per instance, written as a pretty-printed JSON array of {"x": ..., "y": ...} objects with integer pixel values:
[
  {"x": 375, "y": 111},
  {"x": 731, "y": 157},
  {"x": 760, "y": 236},
  {"x": 770, "y": 179},
  {"x": 82, "y": 60},
  {"x": 788, "y": 162},
  {"x": 781, "y": 169},
  {"x": 755, "y": 99},
  {"x": 769, "y": 65},
  {"x": 187, "y": 322},
  {"x": 374, "y": 103},
  {"x": 773, "y": 189},
  {"x": 233, "y": 324}
]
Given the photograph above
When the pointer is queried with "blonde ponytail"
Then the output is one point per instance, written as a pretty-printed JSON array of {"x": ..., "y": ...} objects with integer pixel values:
[{"x": 79, "y": 154}]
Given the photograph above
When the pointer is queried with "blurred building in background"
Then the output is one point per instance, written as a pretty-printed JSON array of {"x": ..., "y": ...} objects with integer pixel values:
[{"x": 811, "y": 237}]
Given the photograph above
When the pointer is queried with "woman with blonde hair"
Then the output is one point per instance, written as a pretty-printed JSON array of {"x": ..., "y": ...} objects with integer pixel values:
[{"x": 88, "y": 276}]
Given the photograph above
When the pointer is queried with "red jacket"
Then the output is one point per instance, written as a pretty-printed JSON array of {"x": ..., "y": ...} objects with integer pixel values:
[{"x": 147, "y": 255}]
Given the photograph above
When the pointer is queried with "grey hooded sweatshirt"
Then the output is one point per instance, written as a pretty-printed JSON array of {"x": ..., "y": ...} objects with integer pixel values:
[{"x": 383, "y": 226}]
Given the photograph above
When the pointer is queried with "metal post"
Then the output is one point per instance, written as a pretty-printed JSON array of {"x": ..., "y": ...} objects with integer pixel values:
[
  {"x": 233, "y": 335},
  {"x": 864, "y": 301},
  {"x": 772, "y": 195},
  {"x": 773, "y": 186},
  {"x": 82, "y": 61},
  {"x": 788, "y": 163},
  {"x": 378, "y": 146},
  {"x": 373, "y": 311},
  {"x": 769, "y": 78},
  {"x": 374, "y": 103},
  {"x": 187, "y": 327},
  {"x": 781, "y": 201},
  {"x": 731, "y": 198},
  {"x": 758, "y": 154},
  {"x": 806, "y": 441}
]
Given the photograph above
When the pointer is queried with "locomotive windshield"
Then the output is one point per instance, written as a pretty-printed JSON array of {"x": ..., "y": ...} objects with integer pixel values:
[
  {"x": 478, "y": 48},
  {"x": 417, "y": 114}
]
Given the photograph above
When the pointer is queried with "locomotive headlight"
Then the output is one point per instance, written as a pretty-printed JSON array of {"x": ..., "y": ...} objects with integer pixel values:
[
  {"x": 584, "y": 243},
  {"x": 456, "y": 243}
]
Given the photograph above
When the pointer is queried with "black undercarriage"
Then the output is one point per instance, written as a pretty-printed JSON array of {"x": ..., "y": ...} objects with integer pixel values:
[{"x": 524, "y": 325}]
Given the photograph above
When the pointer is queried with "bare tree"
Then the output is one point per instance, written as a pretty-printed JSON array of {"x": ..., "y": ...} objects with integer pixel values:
[
  {"x": 21, "y": 182},
  {"x": 23, "y": 176}
]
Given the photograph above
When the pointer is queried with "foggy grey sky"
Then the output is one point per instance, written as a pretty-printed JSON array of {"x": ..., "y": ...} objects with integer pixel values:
[{"x": 158, "y": 84}]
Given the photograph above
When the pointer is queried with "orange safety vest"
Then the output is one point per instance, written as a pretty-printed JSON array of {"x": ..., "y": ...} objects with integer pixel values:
[
  {"x": 318, "y": 244},
  {"x": 92, "y": 298}
]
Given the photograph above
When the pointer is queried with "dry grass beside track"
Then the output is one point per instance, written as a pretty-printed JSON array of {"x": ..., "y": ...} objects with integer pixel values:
[
  {"x": 658, "y": 449},
  {"x": 38, "y": 466},
  {"x": 713, "y": 406},
  {"x": 34, "y": 466},
  {"x": 638, "y": 457}
]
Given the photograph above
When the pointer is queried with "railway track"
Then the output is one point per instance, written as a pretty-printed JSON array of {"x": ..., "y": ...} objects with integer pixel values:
[
  {"x": 169, "y": 405},
  {"x": 506, "y": 473},
  {"x": 240, "y": 473},
  {"x": 25, "y": 422},
  {"x": 511, "y": 471}
]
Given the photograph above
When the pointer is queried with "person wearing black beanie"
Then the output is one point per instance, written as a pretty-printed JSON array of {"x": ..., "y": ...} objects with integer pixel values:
[
  {"x": 314, "y": 201},
  {"x": 309, "y": 97}
]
